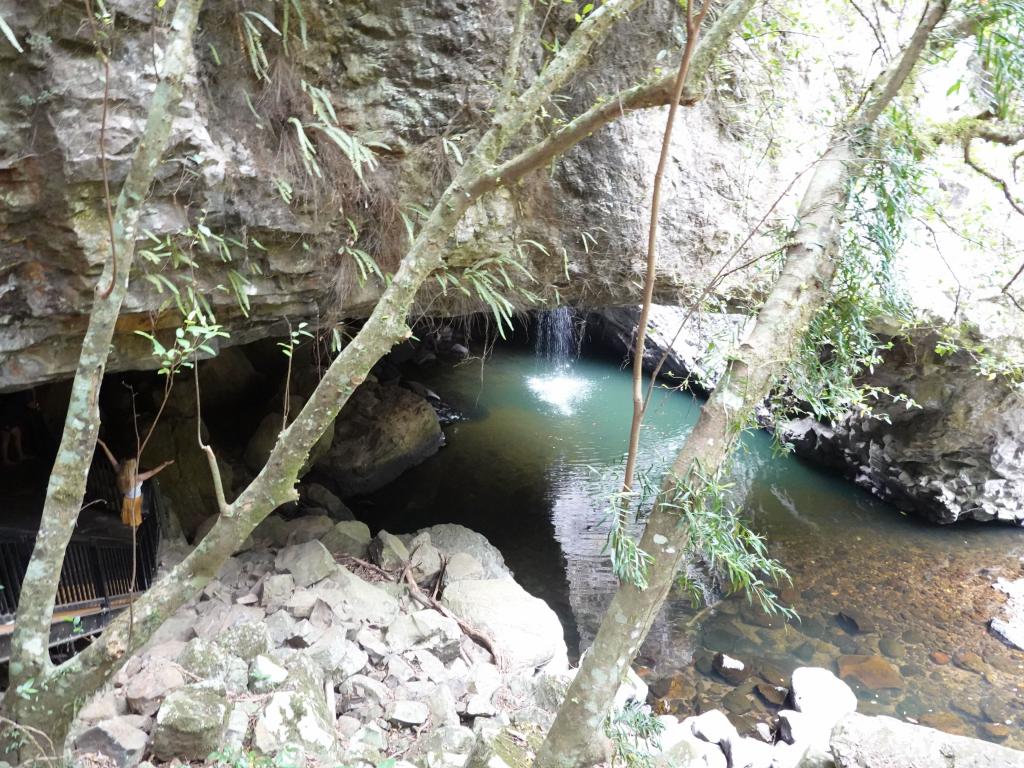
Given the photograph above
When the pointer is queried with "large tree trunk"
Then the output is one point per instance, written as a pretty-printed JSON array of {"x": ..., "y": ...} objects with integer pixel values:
[
  {"x": 576, "y": 738},
  {"x": 30, "y": 659}
]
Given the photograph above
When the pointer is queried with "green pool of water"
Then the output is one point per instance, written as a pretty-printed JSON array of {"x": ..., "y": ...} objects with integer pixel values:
[{"x": 540, "y": 451}]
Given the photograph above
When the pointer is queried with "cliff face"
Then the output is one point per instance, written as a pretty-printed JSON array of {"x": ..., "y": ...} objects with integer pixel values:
[{"x": 417, "y": 79}]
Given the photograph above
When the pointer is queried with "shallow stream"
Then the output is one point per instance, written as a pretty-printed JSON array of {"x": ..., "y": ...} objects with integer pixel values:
[{"x": 532, "y": 467}]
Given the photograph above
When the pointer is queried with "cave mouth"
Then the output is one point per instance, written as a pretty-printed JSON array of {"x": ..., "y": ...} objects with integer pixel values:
[{"x": 534, "y": 429}]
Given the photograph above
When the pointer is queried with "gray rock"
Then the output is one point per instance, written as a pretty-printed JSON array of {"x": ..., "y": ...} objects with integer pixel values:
[
  {"x": 151, "y": 685},
  {"x": 297, "y": 723},
  {"x": 308, "y": 528},
  {"x": 820, "y": 694},
  {"x": 425, "y": 629},
  {"x": 749, "y": 753},
  {"x": 308, "y": 563},
  {"x": 525, "y": 630},
  {"x": 246, "y": 641},
  {"x": 322, "y": 497},
  {"x": 276, "y": 591},
  {"x": 336, "y": 655},
  {"x": 191, "y": 723},
  {"x": 104, "y": 706},
  {"x": 1010, "y": 626},
  {"x": 445, "y": 746},
  {"x": 712, "y": 726},
  {"x": 349, "y": 537},
  {"x": 361, "y": 601},
  {"x": 388, "y": 551},
  {"x": 117, "y": 739},
  {"x": 211, "y": 661},
  {"x": 424, "y": 558},
  {"x": 265, "y": 674},
  {"x": 451, "y": 539},
  {"x": 408, "y": 713},
  {"x": 462, "y": 566},
  {"x": 870, "y": 742}
]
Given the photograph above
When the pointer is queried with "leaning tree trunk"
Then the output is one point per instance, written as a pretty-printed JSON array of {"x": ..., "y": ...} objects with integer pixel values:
[
  {"x": 576, "y": 738},
  {"x": 30, "y": 659}
]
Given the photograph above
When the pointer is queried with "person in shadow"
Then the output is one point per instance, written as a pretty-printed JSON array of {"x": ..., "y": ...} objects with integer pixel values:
[{"x": 129, "y": 483}]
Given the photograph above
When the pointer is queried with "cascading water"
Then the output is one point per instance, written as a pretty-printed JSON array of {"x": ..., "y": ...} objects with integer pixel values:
[
  {"x": 556, "y": 337},
  {"x": 556, "y": 353}
]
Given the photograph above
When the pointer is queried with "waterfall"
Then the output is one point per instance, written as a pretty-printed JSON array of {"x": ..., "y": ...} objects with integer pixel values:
[{"x": 556, "y": 337}]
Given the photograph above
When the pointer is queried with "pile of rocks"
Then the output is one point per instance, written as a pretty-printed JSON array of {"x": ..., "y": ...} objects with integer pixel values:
[{"x": 293, "y": 655}]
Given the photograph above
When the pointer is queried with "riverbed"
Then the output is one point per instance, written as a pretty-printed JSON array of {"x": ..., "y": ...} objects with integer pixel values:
[{"x": 899, "y": 604}]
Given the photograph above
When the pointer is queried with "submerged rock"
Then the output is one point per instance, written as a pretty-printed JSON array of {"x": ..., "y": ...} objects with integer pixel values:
[{"x": 872, "y": 672}]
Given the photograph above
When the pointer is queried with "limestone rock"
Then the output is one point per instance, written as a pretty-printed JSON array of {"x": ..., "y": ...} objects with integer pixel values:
[
  {"x": 408, "y": 713},
  {"x": 462, "y": 566},
  {"x": 191, "y": 723},
  {"x": 212, "y": 661},
  {"x": 265, "y": 674},
  {"x": 307, "y": 563},
  {"x": 360, "y": 600},
  {"x": 117, "y": 739},
  {"x": 277, "y": 590},
  {"x": 424, "y": 557},
  {"x": 246, "y": 641},
  {"x": 1010, "y": 626},
  {"x": 322, "y": 497},
  {"x": 525, "y": 630},
  {"x": 349, "y": 537},
  {"x": 308, "y": 528},
  {"x": 870, "y": 742},
  {"x": 336, "y": 655},
  {"x": 819, "y": 693},
  {"x": 298, "y": 721}
]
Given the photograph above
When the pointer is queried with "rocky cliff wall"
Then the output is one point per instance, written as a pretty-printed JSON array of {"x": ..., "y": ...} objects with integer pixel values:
[{"x": 404, "y": 76}]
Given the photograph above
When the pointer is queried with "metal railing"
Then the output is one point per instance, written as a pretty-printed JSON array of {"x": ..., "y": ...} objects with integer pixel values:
[{"x": 97, "y": 573}]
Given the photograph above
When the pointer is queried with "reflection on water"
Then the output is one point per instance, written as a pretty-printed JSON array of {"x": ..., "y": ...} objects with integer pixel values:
[{"x": 534, "y": 466}]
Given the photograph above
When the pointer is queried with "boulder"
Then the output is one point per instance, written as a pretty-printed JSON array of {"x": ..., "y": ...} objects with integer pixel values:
[
  {"x": 308, "y": 528},
  {"x": 451, "y": 539},
  {"x": 819, "y": 693},
  {"x": 148, "y": 687},
  {"x": 712, "y": 726},
  {"x": 684, "y": 750},
  {"x": 321, "y": 497},
  {"x": 307, "y": 563},
  {"x": 276, "y": 591},
  {"x": 105, "y": 706},
  {"x": 388, "y": 551},
  {"x": 733, "y": 671},
  {"x": 870, "y": 742},
  {"x": 265, "y": 674},
  {"x": 424, "y": 558},
  {"x": 382, "y": 431},
  {"x": 462, "y": 566},
  {"x": 524, "y": 629},
  {"x": 213, "y": 662},
  {"x": 117, "y": 738},
  {"x": 246, "y": 641},
  {"x": 297, "y": 723},
  {"x": 191, "y": 723},
  {"x": 349, "y": 537},
  {"x": 1010, "y": 626}
]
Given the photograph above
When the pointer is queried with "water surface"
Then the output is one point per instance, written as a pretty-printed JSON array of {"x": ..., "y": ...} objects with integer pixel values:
[{"x": 532, "y": 468}]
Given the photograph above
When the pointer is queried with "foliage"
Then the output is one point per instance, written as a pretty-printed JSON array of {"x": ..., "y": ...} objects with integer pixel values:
[
  {"x": 986, "y": 362},
  {"x": 1000, "y": 49},
  {"x": 717, "y": 534},
  {"x": 841, "y": 343},
  {"x": 634, "y": 733}
]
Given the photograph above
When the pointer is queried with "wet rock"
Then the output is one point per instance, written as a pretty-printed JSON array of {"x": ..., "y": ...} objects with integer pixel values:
[
  {"x": 191, "y": 723},
  {"x": 349, "y": 537},
  {"x": 944, "y": 721},
  {"x": 868, "y": 742},
  {"x": 733, "y": 671},
  {"x": 526, "y": 631},
  {"x": 970, "y": 661},
  {"x": 939, "y": 657},
  {"x": 855, "y": 620},
  {"x": 872, "y": 672},
  {"x": 772, "y": 694},
  {"x": 891, "y": 647},
  {"x": 308, "y": 563},
  {"x": 117, "y": 739},
  {"x": 995, "y": 731},
  {"x": 388, "y": 551}
]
